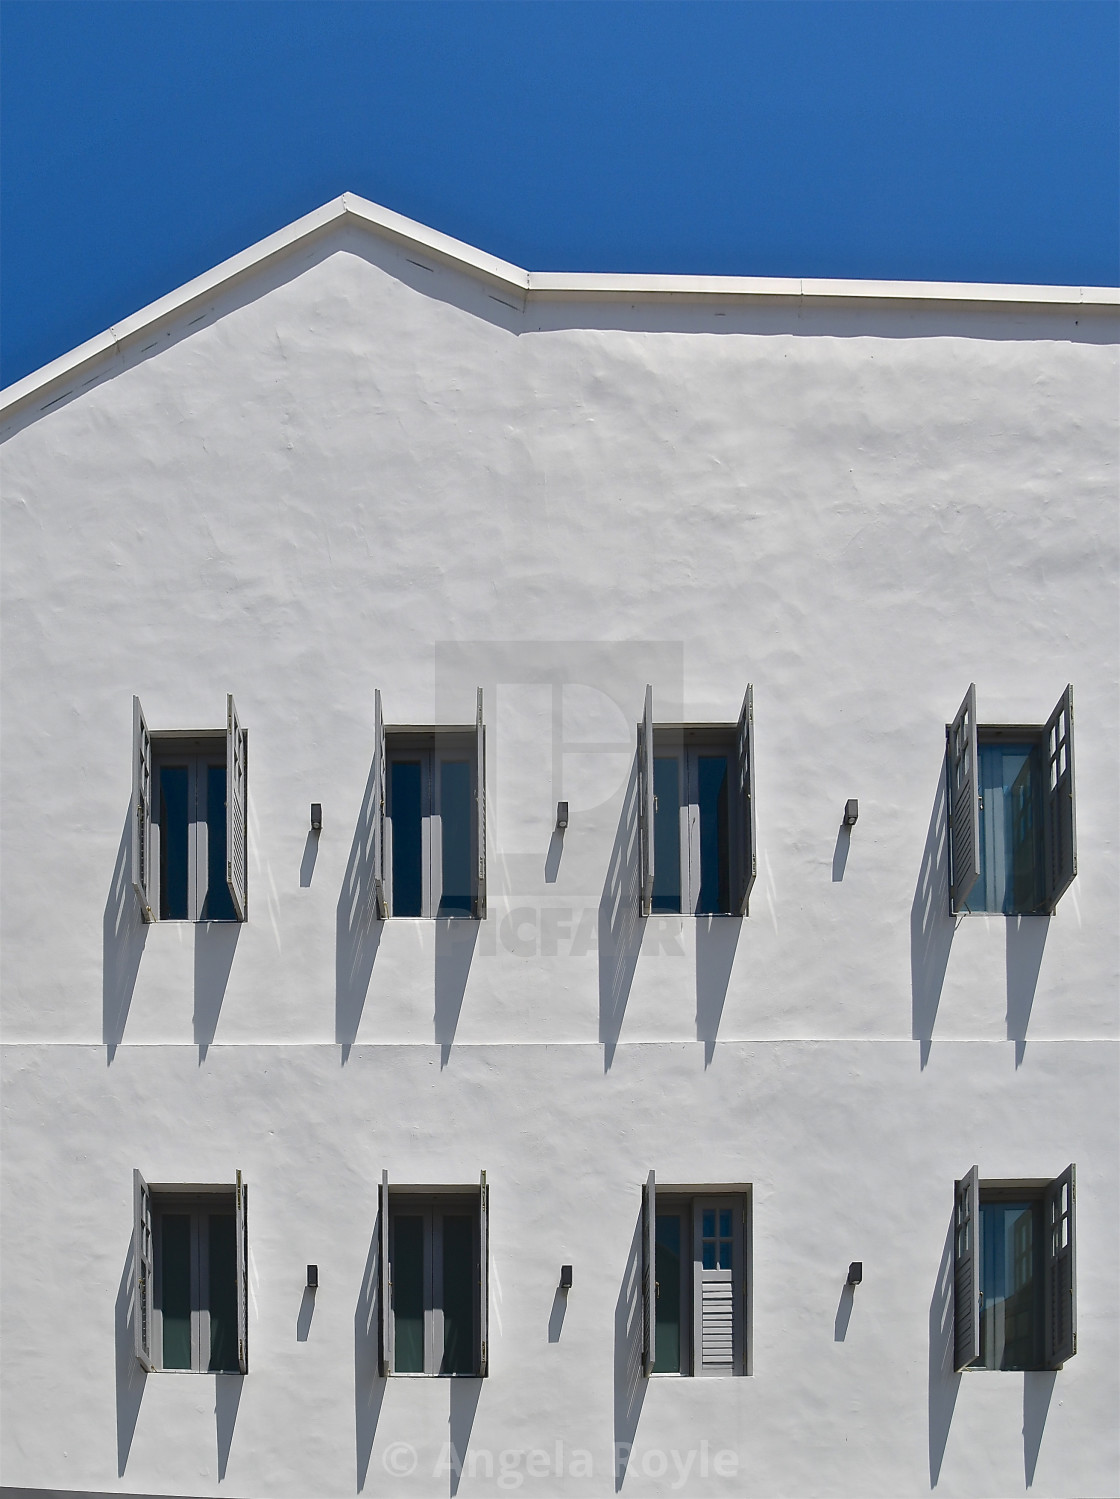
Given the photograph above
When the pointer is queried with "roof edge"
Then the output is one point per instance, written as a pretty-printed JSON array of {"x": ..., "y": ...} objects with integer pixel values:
[{"x": 526, "y": 286}]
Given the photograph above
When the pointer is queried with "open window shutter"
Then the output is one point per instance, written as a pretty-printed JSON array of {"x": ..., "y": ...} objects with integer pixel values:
[
  {"x": 964, "y": 803},
  {"x": 649, "y": 1263},
  {"x": 384, "y": 1288},
  {"x": 241, "y": 1194},
  {"x": 748, "y": 848},
  {"x": 141, "y": 808},
  {"x": 966, "y": 1271},
  {"x": 714, "y": 1336},
  {"x": 645, "y": 802},
  {"x": 483, "y": 1277},
  {"x": 379, "y": 807},
  {"x": 480, "y": 811},
  {"x": 237, "y": 848},
  {"x": 145, "y": 1271},
  {"x": 1060, "y": 1279},
  {"x": 1060, "y": 821}
]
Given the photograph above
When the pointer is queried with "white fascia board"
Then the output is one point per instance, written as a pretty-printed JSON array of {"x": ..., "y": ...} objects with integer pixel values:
[{"x": 523, "y": 286}]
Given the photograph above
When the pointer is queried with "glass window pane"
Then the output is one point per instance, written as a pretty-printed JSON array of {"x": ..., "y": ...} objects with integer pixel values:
[
  {"x": 666, "y": 834},
  {"x": 223, "y": 1292},
  {"x": 715, "y": 846},
  {"x": 175, "y": 1273},
  {"x": 725, "y": 1223},
  {"x": 174, "y": 832},
  {"x": 1011, "y": 1283},
  {"x": 1011, "y": 854},
  {"x": 458, "y": 1294},
  {"x": 667, "y": 1278},
  {"x": 708, "y": 1223},
  {"x": 408, "y": 1294},
  {"x": 218, "y": 905},
  {"x": 455, "y": 808},
  {"x": 406, "y": 816}
]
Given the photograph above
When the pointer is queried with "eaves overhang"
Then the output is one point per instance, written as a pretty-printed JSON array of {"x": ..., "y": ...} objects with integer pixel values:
[{"x": 54, "y": 381}]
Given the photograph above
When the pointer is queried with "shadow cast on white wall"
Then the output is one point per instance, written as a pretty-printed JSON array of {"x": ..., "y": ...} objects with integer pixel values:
[
  {"x": 227, "y": 1398},
  {"x": 629, "y": 1377},
  {"x": 215, "y": 943},
  {"x": 717, "y": 937},
  {"x": 456, "y": 939},
  {"x": 944, "y": 1382},
  {"x": 463, "y": 1396},
  {"x": 1038, "y": 1390},
  {"x": 369, "y": 1385},
  {"x": 357, "y": 926},
  {"x": 931, "y": 926},
  {"x": 123, "y": 934},
  {"x": 1026, "y": 942},
  {"x": 130, "y": 1376},
  {"x": 620, "y": 926}
]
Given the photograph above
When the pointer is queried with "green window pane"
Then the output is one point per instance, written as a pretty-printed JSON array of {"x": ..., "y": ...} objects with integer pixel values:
[
  {"x": 667, "y": 1276},
  {"x": 223, "y": 1293},
  {"x": 455, "y": 807},
  {"x": 175, "y": 1270},
  {"x": 406, "y": 816},
  {"x": 218, "y": 905},
  {"x": 666, "y": 835},
  {"x": 458, "y": 1295},
  {"x": 408, "y": 1294},
  {"x": 715, "y": 847},
  {"x": 174, "y": 832}
]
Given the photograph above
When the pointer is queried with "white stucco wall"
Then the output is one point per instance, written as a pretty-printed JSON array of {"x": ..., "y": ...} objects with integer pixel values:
[{"x": 355, "y": 472}]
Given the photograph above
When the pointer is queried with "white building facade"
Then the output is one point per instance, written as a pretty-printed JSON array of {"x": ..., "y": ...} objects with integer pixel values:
[{"x": 681, "y": 924}]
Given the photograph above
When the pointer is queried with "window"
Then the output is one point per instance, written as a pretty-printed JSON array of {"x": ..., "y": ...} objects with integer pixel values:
[
  {"x": 694, "y": 1280},
  {"x": 1012, "y": 829},
  {"x": 696, "y": 815},
  {"x": 191, "y": 1252},
  {"x": 1014, "y": 1273},
  {"x": 429, "y": 825},
  {"x": 434, "y": 1279},
  {"x": 189, "y": 849}
]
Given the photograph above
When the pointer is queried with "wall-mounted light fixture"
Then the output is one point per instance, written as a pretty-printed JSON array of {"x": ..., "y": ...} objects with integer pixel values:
[
  {"x": 561, "y": 815},
  {"x": 316, "y": 817},
  {"x": 855, "y": 1272},
  {"x": 851, "y": 812},
  {"x": 312, "y": 1277},
  {"x": 565, "y": 1277}
]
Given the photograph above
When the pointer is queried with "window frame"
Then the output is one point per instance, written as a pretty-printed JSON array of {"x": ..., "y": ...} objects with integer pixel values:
[
  {"x": 435, "y": 749},
  {"x": 687, "y": 745},
  {"x": 197, "y": 754}
]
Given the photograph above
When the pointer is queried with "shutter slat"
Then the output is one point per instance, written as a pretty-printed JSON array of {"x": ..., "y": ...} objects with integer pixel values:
[
  {"x": 645, "y": 804},
  {"x": 966, "y": 1271},
  {"x": 241, "y": 1195},
  {"x": 237, "y": 767},
  {"x": 384, "y": 1288},
  {"x": 649, "y": 1261},
  {"x": 378, "y": 809},
  {"x": 1060, "y": 823},
  {"x": 144, "y": 1253},
  {"x": 141, "y": 809},
  {"x": 964, "y": 802},
  {"x": 484, "y": 1276},
  {"x": 748, "y": 846},
  {"x": 1060, "y": 1274},
  {"x": 480, "y": 812}
]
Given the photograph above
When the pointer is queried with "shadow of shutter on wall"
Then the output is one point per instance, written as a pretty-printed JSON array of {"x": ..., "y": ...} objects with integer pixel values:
[
  {"x": 483, "y": 1276},
  {"x": 378, "y": 830},
  {"x": 237, "y": 777},
  {"x": 964, "y": 803},
  {"x": 1060, "y": 826},
  {"x": 645, "y": 803},
  {"x": 1060, "y": 1260},
  {"x": 141, "y": 808},
  {"x": 966, "y": 1271},
  {"x": 480, "y": 811},
  {"x": 242, "y": 1208},
  {"x": 384, "y": 1284},
  {"x": 649, "y": 1287},
  {"x": 744, "y": 756},
  {"x": 144, "y": 1271}
]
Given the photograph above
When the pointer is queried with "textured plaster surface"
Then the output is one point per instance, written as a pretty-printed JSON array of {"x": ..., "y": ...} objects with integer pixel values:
[{"x": 364, "y": 473}]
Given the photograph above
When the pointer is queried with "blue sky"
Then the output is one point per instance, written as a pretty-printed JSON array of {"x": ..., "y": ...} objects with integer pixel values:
[{"x": 141, "y": 143}]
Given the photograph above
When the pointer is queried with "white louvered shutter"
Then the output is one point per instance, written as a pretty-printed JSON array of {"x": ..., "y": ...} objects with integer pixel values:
[
  {"x": 748, "y": 848},
  {"x": 1060, "y": 1276},
  {"x": 649, "y": 1266},
  {"x": 145, "y": 1271},
  {"x": 717, "y": 1288},
  {"x": 645, "y": 803},
  {"x": 385, "y": 1287},
  {"x": 483, "y": 1277},
  {"x": 378, "y": 808},
  {"x": 237, "y": 821},
  {"x": 1060, "y": 824},
  {"x": 966, "y": 1271},
  {"x": 141, "y": 809},
  {"x": 480, "y": 811},
  {"x": 964, "y": 802},
  {"x": 242, "y": 1208}
]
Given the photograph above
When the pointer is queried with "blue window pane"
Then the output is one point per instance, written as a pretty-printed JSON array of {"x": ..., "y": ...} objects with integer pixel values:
[
  {"x": 667, "y": 1278},
  {"x": 223, "y": 1293},
  {"x": 708, "y": 1254},
  {"x": 458, "y": 1294},
  {"x": 175, "y": 1301},
  {"x": 715, "y": 858},
  {"x": 1011, "y": 853},
  {"x": 406, "y": 815},
  {"x": 725, "y": 1223},
  {"x": 455, "y": 808},
  {"x": 408, "y": 1294},
  {"x": 174, "y": 833},
  {"x": 1011, "y": 1283},
  {"x": 218, "y": 905},
  {"x": 666, "y": 835},
  {"x": 708, "y": 1222}
]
